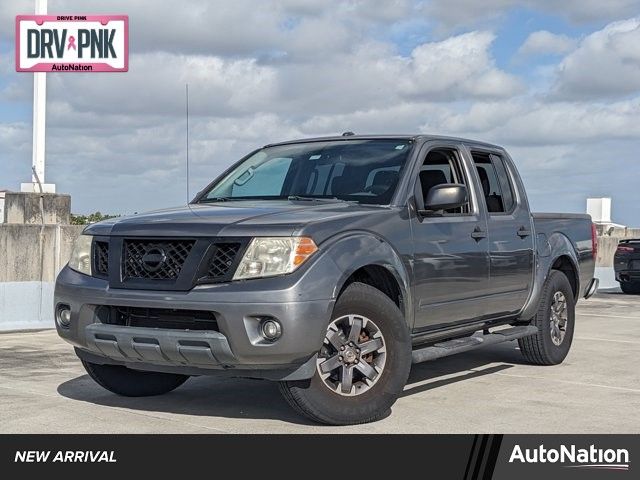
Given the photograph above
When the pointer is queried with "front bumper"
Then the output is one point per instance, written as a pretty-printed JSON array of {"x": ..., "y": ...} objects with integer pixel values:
[{"x": 235, "y": 348}]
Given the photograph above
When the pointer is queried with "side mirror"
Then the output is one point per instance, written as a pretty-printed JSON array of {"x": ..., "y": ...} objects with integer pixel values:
[{"x": 446, "y": 196}]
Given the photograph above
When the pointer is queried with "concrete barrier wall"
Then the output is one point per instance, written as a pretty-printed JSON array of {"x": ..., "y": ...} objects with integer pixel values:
[
  {"x": 47, "y": 208},
  {"x": 33, "y": 252},
  {"x": 606, "y": 250},
  {"x": 30, "y": 258}
]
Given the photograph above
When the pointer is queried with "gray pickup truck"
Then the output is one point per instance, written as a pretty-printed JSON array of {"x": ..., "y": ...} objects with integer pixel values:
[{"x": 329, "y": 265}]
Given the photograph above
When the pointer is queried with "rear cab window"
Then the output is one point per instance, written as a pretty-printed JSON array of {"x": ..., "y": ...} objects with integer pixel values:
[{"x": 497, "y": 189}]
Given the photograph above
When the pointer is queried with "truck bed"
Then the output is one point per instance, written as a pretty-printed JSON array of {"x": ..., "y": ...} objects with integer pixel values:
[
  {"x": 575, "y": 226},
  {"x": 574, "y": 229}
]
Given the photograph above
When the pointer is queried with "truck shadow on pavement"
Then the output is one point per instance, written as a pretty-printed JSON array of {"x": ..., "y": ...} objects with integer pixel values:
[
  {"x": 461, "y": 367},
  {"x": 259, "y": 399}
]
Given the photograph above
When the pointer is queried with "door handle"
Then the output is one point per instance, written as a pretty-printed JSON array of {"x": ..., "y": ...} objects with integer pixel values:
[
  {"x": 478, "y": 234},
  {"x": 523, "y": 232}
]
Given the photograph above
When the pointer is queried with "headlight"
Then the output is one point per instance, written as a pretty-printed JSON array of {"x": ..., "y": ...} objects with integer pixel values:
[
  {"x": 80, "y": 259},
  {"x": 270, "y": 256}
]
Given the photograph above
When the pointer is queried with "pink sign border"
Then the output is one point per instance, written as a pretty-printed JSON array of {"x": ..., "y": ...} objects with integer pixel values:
[{"x": 97, "y": 67}]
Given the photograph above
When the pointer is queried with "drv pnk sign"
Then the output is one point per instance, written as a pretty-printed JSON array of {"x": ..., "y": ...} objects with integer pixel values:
[{"x": 72, "y": 43}]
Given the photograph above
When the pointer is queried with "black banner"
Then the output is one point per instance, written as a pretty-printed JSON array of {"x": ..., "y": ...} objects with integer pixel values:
[{"x": 467, "y": 457}]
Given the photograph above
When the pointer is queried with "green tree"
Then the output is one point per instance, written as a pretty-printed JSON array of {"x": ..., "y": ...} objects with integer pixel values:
[{"x": 91, "y": 218}]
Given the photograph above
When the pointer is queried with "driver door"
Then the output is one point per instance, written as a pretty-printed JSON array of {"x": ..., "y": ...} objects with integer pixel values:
[{"x": 450, "y": 259}]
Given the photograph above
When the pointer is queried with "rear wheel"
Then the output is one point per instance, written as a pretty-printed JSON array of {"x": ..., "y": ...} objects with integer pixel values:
[
  {"x": 363, "y": 364},
  {"x": 555, "y": 321},
  {"x": 631, "y": 288},
  {"x": 132, "y": 383}
]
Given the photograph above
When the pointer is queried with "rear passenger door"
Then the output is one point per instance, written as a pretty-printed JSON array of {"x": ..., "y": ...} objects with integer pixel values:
[{"x": 510, "y": 233}]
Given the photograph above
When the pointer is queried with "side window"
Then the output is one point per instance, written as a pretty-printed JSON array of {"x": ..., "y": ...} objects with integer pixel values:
[
  {"x": 496, "y": 187},
  {"x": 442, "y": 166},
  {"x": 265, "y": 180},
  {"x": 508, "y": 199}
]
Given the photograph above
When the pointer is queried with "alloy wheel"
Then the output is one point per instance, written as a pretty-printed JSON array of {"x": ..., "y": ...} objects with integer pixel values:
[
  {"x": 353, "y": 355},
  {"x": 558, "y": 318}
]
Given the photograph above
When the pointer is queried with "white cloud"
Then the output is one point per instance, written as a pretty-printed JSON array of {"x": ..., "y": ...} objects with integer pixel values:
[
  {"x": 571, "y": 123},
  {"x": 544, "y": 42},
  {"x": 527, "y": 122},
  {"x": 458, "y": 66},
  {"x": 372, "y": 76},
  {"x": 605, "y": 64},
  {"x": 155, "y": 84}
]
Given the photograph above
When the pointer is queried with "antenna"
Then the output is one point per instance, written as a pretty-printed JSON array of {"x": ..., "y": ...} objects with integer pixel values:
[{"x": 187, "y": 108}]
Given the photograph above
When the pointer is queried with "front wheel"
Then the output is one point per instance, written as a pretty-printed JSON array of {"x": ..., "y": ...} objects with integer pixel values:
[
  {"x": 555, "y": 320},
  {"x": 363, "y": 364}
]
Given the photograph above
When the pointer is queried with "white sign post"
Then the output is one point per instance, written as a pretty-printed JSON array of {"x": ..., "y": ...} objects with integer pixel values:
[{"x": 39, "y": 126}]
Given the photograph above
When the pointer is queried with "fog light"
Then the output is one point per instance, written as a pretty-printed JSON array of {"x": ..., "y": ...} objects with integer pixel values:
[
  {"x": 64, "y": 316},
  {"x": 271, "y": 330}
]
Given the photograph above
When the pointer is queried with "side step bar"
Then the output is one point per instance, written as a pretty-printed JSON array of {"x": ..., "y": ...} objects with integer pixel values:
[{"x": 459, "y": 345}]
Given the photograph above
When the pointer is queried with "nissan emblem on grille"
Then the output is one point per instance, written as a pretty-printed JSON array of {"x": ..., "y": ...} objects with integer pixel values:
[{"x": 154, "y": 258}]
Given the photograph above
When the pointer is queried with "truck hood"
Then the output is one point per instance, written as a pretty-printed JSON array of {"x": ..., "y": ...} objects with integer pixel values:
[{"x": 232, "y": 218}]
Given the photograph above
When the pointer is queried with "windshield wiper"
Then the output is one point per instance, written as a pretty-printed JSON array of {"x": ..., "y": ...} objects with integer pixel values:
[
  {"x": 302, "y": 198},
  {"x": 215, "y": 199}
]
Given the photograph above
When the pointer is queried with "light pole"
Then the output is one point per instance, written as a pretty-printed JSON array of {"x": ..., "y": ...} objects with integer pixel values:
[{"x": 39, "y": 118}]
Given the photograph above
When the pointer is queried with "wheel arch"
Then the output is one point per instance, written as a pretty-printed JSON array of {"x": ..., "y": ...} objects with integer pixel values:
[
  {"x": 566, "y": 265},
  {"x": 370, "y": 259},
  {"x": 561, "y": 256},
  {"x": 378, "y": 277}
]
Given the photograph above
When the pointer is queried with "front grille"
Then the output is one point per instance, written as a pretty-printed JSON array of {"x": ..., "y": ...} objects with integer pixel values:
[
  {"x": 155, "y": 259},
  {"x": 101, "y": 258},
  {"x": 173, "y": 319},
  {"x": 222, "y": 259}
]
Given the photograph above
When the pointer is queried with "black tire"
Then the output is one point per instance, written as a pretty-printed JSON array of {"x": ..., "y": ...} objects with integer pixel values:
[
  {"x": 315, "y": 400},
  {"x": 630, "y": 288},
  {"x": 540, "y": 348},
  {"x": 132, "y": 383}
]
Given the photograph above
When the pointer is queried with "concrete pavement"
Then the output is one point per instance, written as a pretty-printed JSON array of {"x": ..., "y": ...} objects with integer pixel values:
[{"x": 43, "y": 389}]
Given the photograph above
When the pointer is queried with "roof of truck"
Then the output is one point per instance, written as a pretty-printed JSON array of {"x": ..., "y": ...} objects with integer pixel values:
[{"x": 414, "y": 137}]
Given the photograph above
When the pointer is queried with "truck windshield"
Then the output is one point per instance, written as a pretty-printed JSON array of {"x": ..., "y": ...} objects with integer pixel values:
[{"x": 365, "y": 171}]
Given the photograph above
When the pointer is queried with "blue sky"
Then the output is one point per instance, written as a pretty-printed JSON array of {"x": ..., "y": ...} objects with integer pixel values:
[{"x": 558, "y": 85}]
